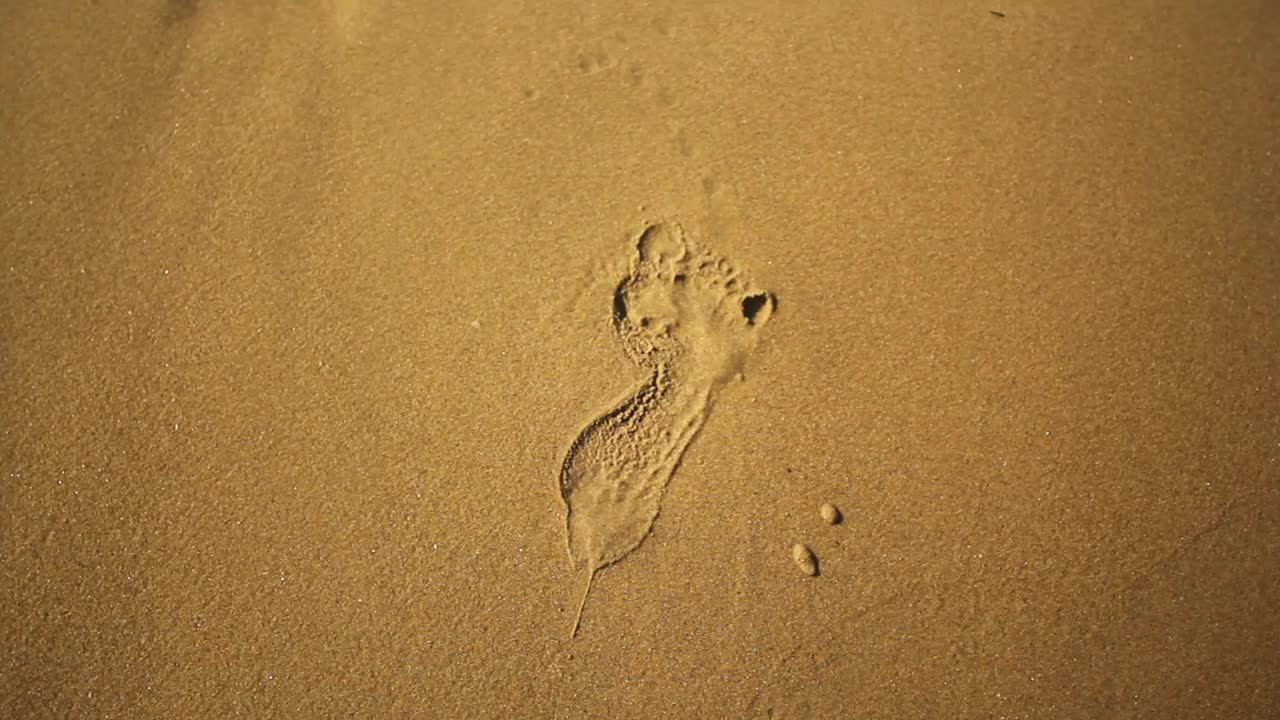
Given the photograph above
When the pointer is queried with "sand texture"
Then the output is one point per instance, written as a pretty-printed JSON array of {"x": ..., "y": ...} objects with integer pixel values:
[{"x": 390, "y": 359}]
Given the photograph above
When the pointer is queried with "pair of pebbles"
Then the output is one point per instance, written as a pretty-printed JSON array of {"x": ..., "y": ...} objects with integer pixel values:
[{"x": 802, "y": 554}]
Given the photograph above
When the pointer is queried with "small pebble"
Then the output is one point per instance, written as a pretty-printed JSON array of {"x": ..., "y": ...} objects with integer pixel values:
[
  {"x": 805, "y": 559},
  {"x": 830, "y": 513}
]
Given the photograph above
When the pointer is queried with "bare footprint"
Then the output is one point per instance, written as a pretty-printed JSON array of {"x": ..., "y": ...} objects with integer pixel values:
[{"x": 690, "y": 318}]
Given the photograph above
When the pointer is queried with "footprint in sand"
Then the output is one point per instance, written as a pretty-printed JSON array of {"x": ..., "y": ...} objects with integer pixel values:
[{"x": 690, "y": 319}]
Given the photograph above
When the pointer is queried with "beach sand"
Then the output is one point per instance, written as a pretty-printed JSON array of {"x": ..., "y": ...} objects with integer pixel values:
[{"x": 309, "y": 310}]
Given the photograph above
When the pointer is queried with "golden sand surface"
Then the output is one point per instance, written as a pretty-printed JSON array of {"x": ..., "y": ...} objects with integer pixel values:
[{"x": 317, "y": 318}]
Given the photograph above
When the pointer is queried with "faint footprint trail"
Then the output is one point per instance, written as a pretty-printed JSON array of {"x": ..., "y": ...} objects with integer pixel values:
[{"x": 690, "y": 319}]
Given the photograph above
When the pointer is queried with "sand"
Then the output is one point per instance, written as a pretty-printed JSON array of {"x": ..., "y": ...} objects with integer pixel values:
[{"x": 303, "y": 306}]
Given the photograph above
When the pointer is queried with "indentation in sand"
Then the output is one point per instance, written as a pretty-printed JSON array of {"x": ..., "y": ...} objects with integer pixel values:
[
  {"x": 689, "y": 318},
  {"x": 178, "y": 11}
]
